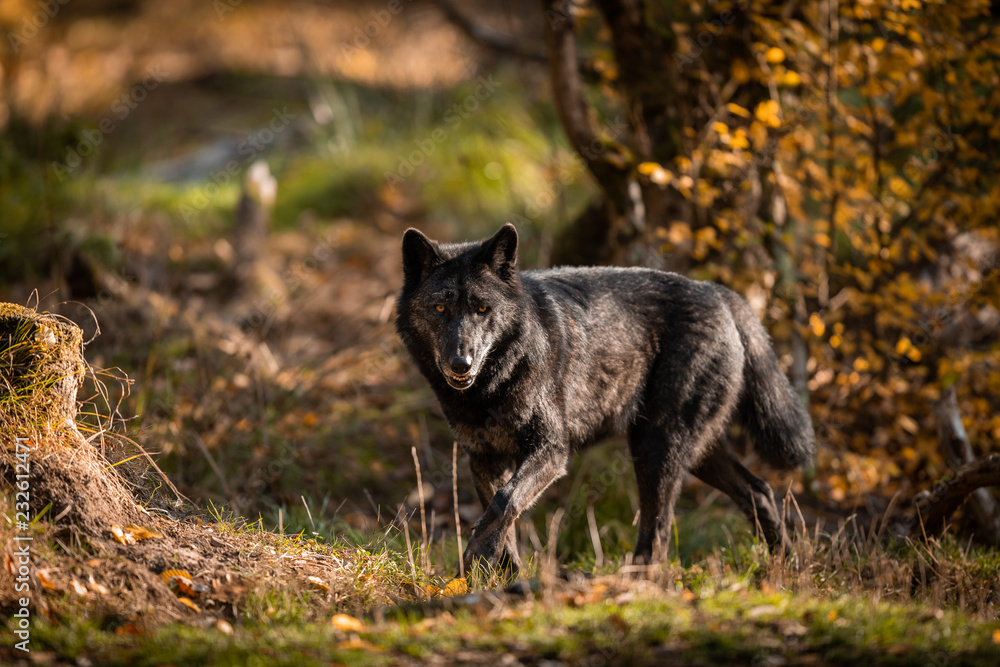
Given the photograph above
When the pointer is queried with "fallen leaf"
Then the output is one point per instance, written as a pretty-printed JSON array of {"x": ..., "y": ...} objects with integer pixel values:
[
  {"x": 120, "y": 535},
  {"x": 167, "y": 575},
  {"x": 996, "y": 636},
  {"x": 224, "y": 627},
  {"x": 318, "y": 584},
  {"x": 78, "y": 587},
  {"x": 43, "y": 579},
  {"x": 143, "y": 533},
  {"x": 96, "y": 587},
  {"x": 458, "y": 586},
  {"x": 347, "y": 623},
  {"x": 181, "y": 582},
  {"x": 129, "y": 629},
  {"x": 187, "y": 602}
]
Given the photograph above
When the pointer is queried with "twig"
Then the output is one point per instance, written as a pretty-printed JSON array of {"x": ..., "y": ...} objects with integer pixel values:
[
  {"x": 454, "y": 495},
  {"x": 409, "y": 550},
  {"x": 424, "y": 558},
  {"x": 595, "y": 537}
]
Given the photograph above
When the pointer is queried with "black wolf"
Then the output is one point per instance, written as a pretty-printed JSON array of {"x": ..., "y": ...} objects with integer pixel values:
[{"x": 531, "y": 366}]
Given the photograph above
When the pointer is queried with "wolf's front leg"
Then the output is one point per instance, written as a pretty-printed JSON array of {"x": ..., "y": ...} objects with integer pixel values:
[
  {"x": 492, "y": 537},
  {"x": 490, "y": 473}
]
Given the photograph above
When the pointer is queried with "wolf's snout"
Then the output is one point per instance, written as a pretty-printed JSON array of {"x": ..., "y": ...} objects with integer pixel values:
[{"x": 461, "y": 365}]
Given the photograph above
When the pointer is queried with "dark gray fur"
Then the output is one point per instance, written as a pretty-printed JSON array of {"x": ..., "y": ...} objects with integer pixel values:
[{"x": 562, "y": 358}]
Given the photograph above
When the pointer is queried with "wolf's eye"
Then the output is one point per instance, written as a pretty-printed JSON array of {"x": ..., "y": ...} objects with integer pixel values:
[
  {"x": 439, "y": 308},
  {"x": 483, "y": 309}
]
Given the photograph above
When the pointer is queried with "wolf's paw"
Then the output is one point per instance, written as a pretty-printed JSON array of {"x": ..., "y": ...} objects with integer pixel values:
[{"x": 490, "y": 558}]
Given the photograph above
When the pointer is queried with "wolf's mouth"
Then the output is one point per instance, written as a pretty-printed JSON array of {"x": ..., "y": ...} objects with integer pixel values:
[{"x": 459, "y": 381}]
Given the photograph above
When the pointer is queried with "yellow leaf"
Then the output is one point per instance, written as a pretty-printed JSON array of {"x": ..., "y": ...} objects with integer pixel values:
[
  {"x": 740, "y": 71},
  {"x": 143, "y": 533},
  {"x": 167, "y": 575},
  {"x": 996, "y": 636},
  {"x": 816, "y": 325},
  {"x": 832, "y": 616},
  {"x": 790, "y": 78},
  {"x": 647, "y": 168},
  {"x": 191, "y": 605},
  {"x": 822, "y": 239},
  {"x": 737, "y": 110},
  {"x": 679, "y": 233},
  {"x": 902, "y": 345},
  {"x": 455, "y": 587},
  {"x": 318, "y": 584},
  {"x": 878, "y": 44},
  {"x": 120, "y": 535},
  {"x": 774, "y": 55},
  {"x": 720, "y": 128},
  {"x": 347, "y": 623},
  {"x": 656, "y": 173},
  {"x": 835, "y": 341},
  {"x": 899, "y": 187},
  {"x": 739, "y": 140},
  {"x": 767, "y": 113}
]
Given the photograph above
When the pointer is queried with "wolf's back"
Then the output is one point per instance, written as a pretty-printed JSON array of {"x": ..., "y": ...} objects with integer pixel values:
[{"x": 770, "y": 410}]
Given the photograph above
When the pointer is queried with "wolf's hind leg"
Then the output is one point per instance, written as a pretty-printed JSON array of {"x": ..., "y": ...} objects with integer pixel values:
[
  {"x": 752, "y": 495},
  {"x": 659, "y": 477}
]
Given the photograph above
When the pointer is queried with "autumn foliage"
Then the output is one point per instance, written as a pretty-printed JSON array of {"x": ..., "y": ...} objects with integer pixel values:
[{"x": 834, "y": 162}]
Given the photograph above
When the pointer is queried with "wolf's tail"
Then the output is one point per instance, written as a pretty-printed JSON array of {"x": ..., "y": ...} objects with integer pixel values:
[{"x": 770, "y": 410}]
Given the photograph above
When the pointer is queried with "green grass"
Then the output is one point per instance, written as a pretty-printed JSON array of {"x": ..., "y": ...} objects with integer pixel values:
[{"x": 740, "y": 626}]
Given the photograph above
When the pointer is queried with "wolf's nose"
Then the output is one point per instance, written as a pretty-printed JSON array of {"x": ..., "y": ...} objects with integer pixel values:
[{"x": 461, "y": 365}]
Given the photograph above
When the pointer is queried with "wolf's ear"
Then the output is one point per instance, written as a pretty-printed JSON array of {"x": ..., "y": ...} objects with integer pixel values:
[
  {"x": 419, "y": 256},
  {"x": 500, "y": 251}
]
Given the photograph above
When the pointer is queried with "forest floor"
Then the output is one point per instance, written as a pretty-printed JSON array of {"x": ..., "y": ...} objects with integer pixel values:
[
  {"x": 328, "y": 401},
  {"x": 287, "y": 410}
]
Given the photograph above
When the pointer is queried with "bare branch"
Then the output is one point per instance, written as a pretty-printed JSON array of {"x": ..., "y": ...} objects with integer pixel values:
[{"x": 934, "y": 507}]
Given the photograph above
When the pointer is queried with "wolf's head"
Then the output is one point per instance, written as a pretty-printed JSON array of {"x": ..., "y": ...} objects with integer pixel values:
[{"x": 457, "y": 301}]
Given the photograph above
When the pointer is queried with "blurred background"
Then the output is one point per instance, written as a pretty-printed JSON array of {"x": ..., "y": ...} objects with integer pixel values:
[{"x": 215, "y": 191}]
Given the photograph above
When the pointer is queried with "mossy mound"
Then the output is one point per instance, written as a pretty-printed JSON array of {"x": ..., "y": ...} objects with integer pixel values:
[{"x": 41, "y": 369}]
